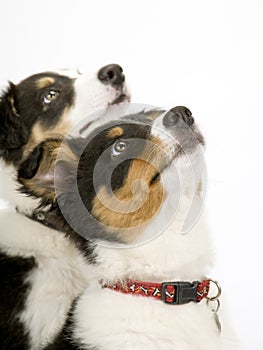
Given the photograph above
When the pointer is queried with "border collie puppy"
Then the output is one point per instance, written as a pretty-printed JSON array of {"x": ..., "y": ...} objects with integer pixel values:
[
  {"x": 47, "y": 104},
  {"x": 127, "y": 196}
]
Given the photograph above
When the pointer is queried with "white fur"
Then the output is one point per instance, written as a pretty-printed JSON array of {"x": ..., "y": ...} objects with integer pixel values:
[
  {"x": 9, "y": 189},
  {"x": 55, "y": 284},
  {"x": 20, "y": 236},
  {"x": 111, "y": 320},
  {"x": 92, "y": 95}
]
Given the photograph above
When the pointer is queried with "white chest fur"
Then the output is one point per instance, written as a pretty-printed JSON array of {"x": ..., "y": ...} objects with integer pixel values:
[{"x": 111, "y": 320}]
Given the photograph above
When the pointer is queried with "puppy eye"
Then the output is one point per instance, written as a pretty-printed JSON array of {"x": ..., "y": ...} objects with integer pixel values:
[
  {"x": 119, "y": 147},
  {"x": 50, "y": 96}
]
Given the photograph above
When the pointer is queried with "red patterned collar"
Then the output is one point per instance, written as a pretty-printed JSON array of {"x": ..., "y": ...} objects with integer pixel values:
[{"x": 170, "y": 292}]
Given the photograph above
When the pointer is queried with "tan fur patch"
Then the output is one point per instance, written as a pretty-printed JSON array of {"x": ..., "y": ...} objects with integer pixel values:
[
  {"x": 115, "y": 132},
  {"x": 44, "y": 82},
  {"x": 135, "y": 203},
  {"x": 12, "y": 103},
  {"x": 39, "y": 133}
]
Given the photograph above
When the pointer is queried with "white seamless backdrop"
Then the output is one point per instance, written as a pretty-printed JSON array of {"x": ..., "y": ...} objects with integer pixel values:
[{"x": 204, "y": 54}]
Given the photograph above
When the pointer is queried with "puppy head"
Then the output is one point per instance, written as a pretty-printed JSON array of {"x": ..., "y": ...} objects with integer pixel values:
[
  {"x": 51, "y": 103},
  {"x": 119, "y": 182},
  {"x": 37, "y": 102}
]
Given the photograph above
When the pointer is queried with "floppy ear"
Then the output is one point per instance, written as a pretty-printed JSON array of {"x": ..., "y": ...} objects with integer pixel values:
[
  {"x": 38, "y": 172},
  {"x": 30, "y": 166},
  {"x": 13, "y": 131}
]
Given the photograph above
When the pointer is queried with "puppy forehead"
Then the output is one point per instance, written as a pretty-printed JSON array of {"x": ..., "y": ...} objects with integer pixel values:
[
  {"x": 43, "y": 80},
  {"x": 115, "y": 132},
  {"x": 143, "y": 119},
  {"x": 105, "y": 136},
  {"x": 140, "y": 124},
  {"x": 122, "y": 129},
  {"x": 72, "y": 73}
]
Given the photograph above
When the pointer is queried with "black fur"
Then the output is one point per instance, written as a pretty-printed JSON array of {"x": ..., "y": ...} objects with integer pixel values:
[
  {"x": 64, "y": 340},
  {"x": 13, "y": 292},
  {"x": 13, "y": 130},
  {"x": 29, "y": 167},
  {"x": 99, "y": 146}
]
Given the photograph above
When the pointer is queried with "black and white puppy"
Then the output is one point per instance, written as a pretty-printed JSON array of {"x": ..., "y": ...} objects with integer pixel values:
[
  {"x": 122, "y": 196},
  {"x": 44, "y": 104},
  {"x": 47, "y": 104}
]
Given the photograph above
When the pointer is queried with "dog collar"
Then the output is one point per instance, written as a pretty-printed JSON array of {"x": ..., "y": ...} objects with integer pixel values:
[
  {"x": 177, "y": 293},
  {"x": 39, "y": 216}
]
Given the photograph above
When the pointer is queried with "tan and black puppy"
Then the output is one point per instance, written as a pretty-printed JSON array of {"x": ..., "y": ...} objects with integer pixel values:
[{"x": 121, "y": 200}]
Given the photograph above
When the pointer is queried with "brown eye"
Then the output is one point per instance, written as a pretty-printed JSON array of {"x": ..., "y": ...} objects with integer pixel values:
[
  {"x": 50, "y": 96},
  {"x": 119, "y": 147}
]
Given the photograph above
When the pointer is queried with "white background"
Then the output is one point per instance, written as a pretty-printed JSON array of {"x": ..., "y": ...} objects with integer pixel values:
[{"x": 207, "y": 55}]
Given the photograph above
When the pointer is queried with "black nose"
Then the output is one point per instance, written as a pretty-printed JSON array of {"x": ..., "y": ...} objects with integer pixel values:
[
  {"x": 112, "y": 75},
  {"x": 176, "y": 114}
]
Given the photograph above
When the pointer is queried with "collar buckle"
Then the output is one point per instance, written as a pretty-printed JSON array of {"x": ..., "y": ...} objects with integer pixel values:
[{"x": 184, "y": 292}]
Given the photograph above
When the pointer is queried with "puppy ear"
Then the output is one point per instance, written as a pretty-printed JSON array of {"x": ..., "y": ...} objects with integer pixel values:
[
  {"x": 36, "y": 173},
  {"x": 43, "y": 173},
  {"x": 30, "y": 166},
  {"x": 13, "y": 131}
]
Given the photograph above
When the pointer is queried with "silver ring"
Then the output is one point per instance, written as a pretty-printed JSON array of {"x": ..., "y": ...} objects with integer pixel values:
[
  {"x": 219, "y": 290},
  {"x": 40, "y": 216}
]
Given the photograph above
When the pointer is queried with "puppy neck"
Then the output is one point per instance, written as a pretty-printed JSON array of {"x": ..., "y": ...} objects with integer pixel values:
[{"x": 169, "y": 256}]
